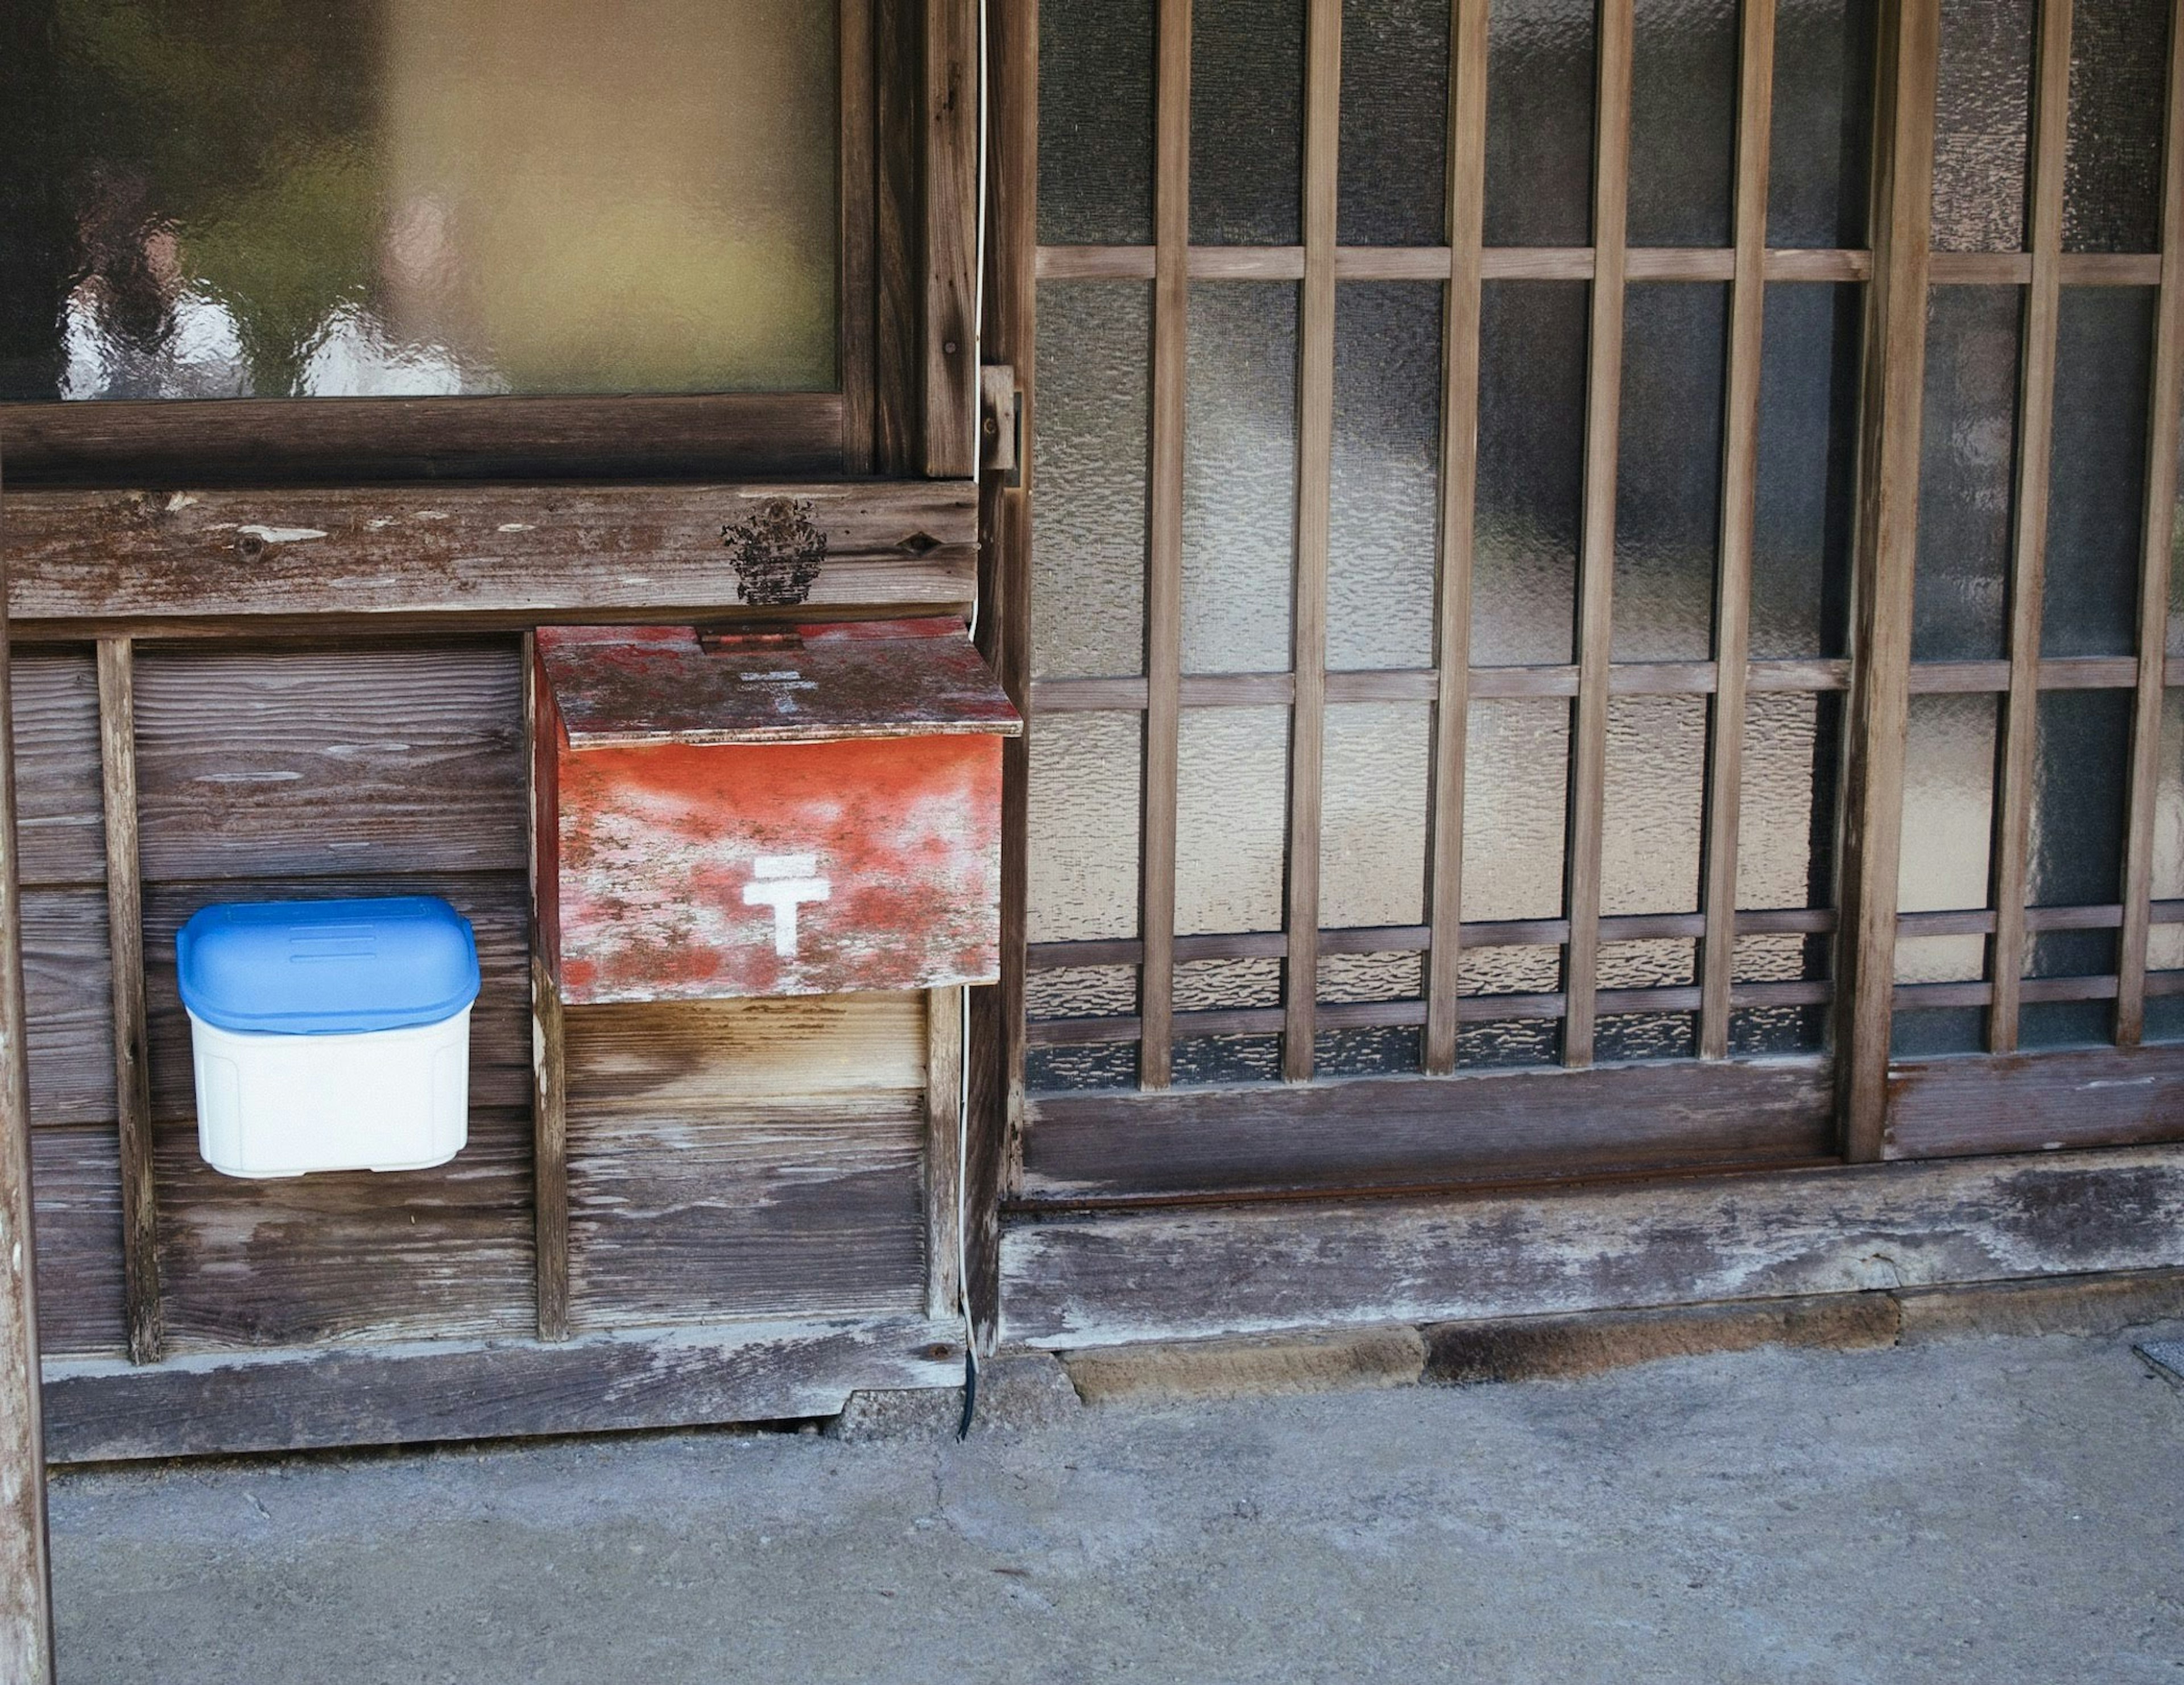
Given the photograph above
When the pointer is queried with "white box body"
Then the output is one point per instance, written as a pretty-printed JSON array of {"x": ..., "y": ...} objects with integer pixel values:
[{"x": 280, "y": 1105}]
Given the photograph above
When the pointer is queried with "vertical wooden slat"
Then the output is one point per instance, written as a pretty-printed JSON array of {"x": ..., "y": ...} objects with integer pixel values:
[
  {"x": 951, "y": 222},
  {"x": 1596, "y": 552},
  {"x": 1459, "y": 481},
  {"x": 2036, "y": 417},
  {"x": 1164, "y": 581},
  {"x": 944, "y": 1157},
  {"x": 1893, "y": 388},
  {"x": 856, "y": 237},
  {"x": 549, "y": 1119},
  {"x": 26, "y": 1605},
  {"x": 898, "y": 245},
  {"x": 2167, "y": 398},
  {"x": 124, "y": 926},
  {"x": 1315, "y": 447},
  {"x": 1732, "y": 612}
]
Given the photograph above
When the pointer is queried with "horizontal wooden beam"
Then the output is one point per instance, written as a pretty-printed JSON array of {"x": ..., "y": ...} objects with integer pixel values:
[
  {"x": 1433, "y": 262},
  {"x": 1106, "y": 1278},
  {"x": 2036, "y": 1102},
  {"x": 100, "y": 561}
]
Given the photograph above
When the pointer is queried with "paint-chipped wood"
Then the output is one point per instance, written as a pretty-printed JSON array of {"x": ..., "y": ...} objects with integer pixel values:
[
  {"x": 1111, "y": 1277},
  {"x": 2036, "y": 1102},
  {"x": 943, "y": 1150}
]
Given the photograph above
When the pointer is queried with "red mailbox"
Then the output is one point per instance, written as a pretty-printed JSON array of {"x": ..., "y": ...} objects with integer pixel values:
[{"x": 798, "y": 812}]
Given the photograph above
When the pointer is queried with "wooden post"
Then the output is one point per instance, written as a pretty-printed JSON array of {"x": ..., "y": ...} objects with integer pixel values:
[{"x": 944, "y": 1155}]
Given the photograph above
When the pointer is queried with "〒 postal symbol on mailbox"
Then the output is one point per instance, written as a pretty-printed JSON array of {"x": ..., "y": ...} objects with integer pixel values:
[{"x": 784, "y": 882}]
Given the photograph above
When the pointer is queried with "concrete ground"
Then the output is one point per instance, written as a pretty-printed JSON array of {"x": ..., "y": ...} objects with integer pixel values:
[{"x": 1989, "y": 1509}]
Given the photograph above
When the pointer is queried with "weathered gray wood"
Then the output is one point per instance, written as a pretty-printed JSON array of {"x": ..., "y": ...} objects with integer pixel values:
[
  {"x": 1418, "y": 1132},
  {"x": 549, "y": 1153},
  {"x": 2037, "y": 1102},
  {"x": 57, "y": 782},
  {"x": 949, "y": 154},
  {"x": 459, "y": 1389},
  {"x": 65, "y": 969},
  {"x": 943, "y": 1150},
  {"x": 1104, "y": 1279},
  {"x": 76, "y": 1176},
  {"x": 94, "y": 559}
]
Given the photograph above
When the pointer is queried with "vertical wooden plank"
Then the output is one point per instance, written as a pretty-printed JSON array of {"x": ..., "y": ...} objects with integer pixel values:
[
  {"x": 26, "y": 1605},
  {"x": 898, "y": 240},
  {"x": 2036, "y": 419},
  {"x": 944, "y": 1155},
  {"x": 124, "y": 926},
  {"x": 1459, "y": 488},
  {"x": 549, "y": 1116},
  {"x": 1164, "y": 581},
  {"x": 1732, "y": 621},
  {"x": 858, "y": 192},
  {"x": 1894, "y": 383},
  {"x": 951, "y": 235},
  {"x": 1596, "y": 551},
  {"x": 2167, "y": 398},
  {"x": 1315, "y": 447}
]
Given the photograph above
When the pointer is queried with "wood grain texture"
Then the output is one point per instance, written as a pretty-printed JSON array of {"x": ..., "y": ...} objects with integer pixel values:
[
  {"x": 463, "y": 1389},
  {"x": 332, "y": 762},
  {"x": 70, "y": 1005},
  {"x": 898, "y": 237},
  {"x": 76, "y": 1174},
  {"x": 737, "y": 1055},
  {"x": 1909, "y": 45},
  {"x": 943, "y": 1150},
  {"x": 1423, "y": 1132},
  {"x": 951, "y": 159},
  {"x": 132, "y": 1090},
  {"x": 2032, "y": 1103},
  {"x": 348, "y": 1257},
  {"x": 2017, "y": 747},
  {"x": 110, "y": 560},
  {"x": 860, "y": 195},
  {"x": 57, "y": 799},
  {"x": 549, "y": 1154},
  {"x": 1108, "y": 1278}
]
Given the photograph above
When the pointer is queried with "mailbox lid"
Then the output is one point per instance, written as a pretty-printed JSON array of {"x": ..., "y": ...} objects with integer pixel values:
[
  {"x": 306, "y": 968},
  {"x": 628, "y": 687}
]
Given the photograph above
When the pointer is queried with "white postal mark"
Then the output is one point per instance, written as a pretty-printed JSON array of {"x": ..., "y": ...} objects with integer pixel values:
[{"x": 784, "y": 882}]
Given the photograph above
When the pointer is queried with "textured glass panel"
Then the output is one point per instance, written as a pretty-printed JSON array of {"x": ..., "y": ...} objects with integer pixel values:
[
  {"x": 1765, "y": 1031},
  {"x": 2165, "y": 1018},
  {"x": 1539, "y": 123},
  {"x": 1683, "y": 122},
  {"x": 1509, "y": 971},
  {"x": 1227, "y": 985},
  {"x": 1391, "y": 1051},
  {"x": 2168, "y": 881},
  {"x": 1384, "y": 519},
  {"x": 1206, "y": 1061},
  {"x": 1516, "y": 786},
  {"x": 410, "y": 197},
  {"x": 1372, "y": 813},
  {"x": 1941, "y": 959},
  {"x": 1391, "y": 187},
  {"x": 1090, "y": 460},
  {"x": 1655, "y": 962},
  {"x": 2111, "y": 166},
  {"x": 1938, "y": 1030},
  {"x": 1982, "y": 124},
  {"x": 1083, "y": 789},
  {"x": 1778, "y": 958},
  {"x": 1969, "y": 447},
  {"x": 1101, "y": 1064},
  {"x": 1656, "y": 775},
  {"x": 1096, "y": 124},
  {"x": 1804, "y": 516},
  {"x": 1232, "y": 786},
  {"x": 1816, "y": 178},
  {"x": 1246, "y": 122},
  {"x": 1531, "y": 470},
  {"x": 1371, "y": 976},
  {"x": 2080, "y": 772},
  {"x": 1948, "y": 803},
  {"x": 1509, "y": 1044},
  {"x": 1239, "y": 476},
  {"x": 1667, "y": 490},
  {"x": 1082, "y": 991},
  {"x": 1786, "y": 827},
  {"x": 2067, "y": 1023},
  {"x": 2097, "y": 488},
  {"x": 1624, "y": 1037}
]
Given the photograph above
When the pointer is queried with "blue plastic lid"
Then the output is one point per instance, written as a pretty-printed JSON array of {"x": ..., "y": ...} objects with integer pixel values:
[{"x": 305, "y": 968}]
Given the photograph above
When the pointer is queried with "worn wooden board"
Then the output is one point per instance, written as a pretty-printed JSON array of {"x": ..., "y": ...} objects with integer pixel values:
[
  {"x": 66, "y": 986},
  {"x": 75, "y": 1175},
  {"x": 697, "y": 1055},
  {"x": 2021, "y": 1103},
  {"x": 329, "y": 762},
  {"x": 348, "y": 1256},
  {"x": 459, "y": 1389},
  {"x": 1111, "y": 1277},
  {"x": 59, "y": 824},
  {"x": 1415, "y": 1132}
]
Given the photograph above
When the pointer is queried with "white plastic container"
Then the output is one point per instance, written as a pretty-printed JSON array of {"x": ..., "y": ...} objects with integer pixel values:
[{"x": 329, "y": 1035}]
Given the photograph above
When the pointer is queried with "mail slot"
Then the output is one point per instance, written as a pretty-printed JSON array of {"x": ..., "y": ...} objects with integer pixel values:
[{"x": 797, "y": 812}]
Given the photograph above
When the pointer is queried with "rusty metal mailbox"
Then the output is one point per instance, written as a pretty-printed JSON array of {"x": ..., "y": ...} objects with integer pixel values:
[{"x": 800, "y": 812}]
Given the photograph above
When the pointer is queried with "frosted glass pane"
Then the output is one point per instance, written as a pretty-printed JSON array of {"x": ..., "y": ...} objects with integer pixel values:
[
  {"x": 1627, "y": 1038},
  {"x": 1083, "y": 790},
  {"x": 423, "y": 197},
  {"x": 2082, "y": 769},
  {"x": 1531, "y": 470},
  {"x": 1948, "y": 803},
  {"x": 2112, "y": 165},
  {"x": 1941, "y": 959},
  {"x": 1385, "y": 516},
  {"x": 1667, "y": 490},
  {"x": 1210, "y": 1061},
  {"x": 1982, "y": 125},
  {"x": 1539, "y": 123},
  {"x": 1967, "y": 473},
  {"x": 1391, "y": 187},
  {"x": 1510, "y": 1044},
  {"x": 2097, "y": 486},
  {"x": 1371, "y": 976},
  {"x": 1683, "y": 122},
  {"x": 1226, "y": 985},
  {"x": 1516, "y": 786},
  {"x": 1231, "y": 784},
  {"x": 1656, "y": 776},
  {"x": 1786, "y": 825},
  {"x": 1804, "y": 517},
  {"x": 1239, "y": 476},
  {"x": 1102, "y": 1064},
  {"x": 1655, "y": 962},
  {"x": 1095, "y": 123},
  {"x": 1089, "y": 466},
  {"x": 1390, "y": 1052},
  {"x": 1374, "y": 778},
  {"x": 1816, "y": 178},
  {"x": 1246, "y": 122},
  {"x": 1509, "y": 971},
  {"x": 1082, "y": 991}
]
